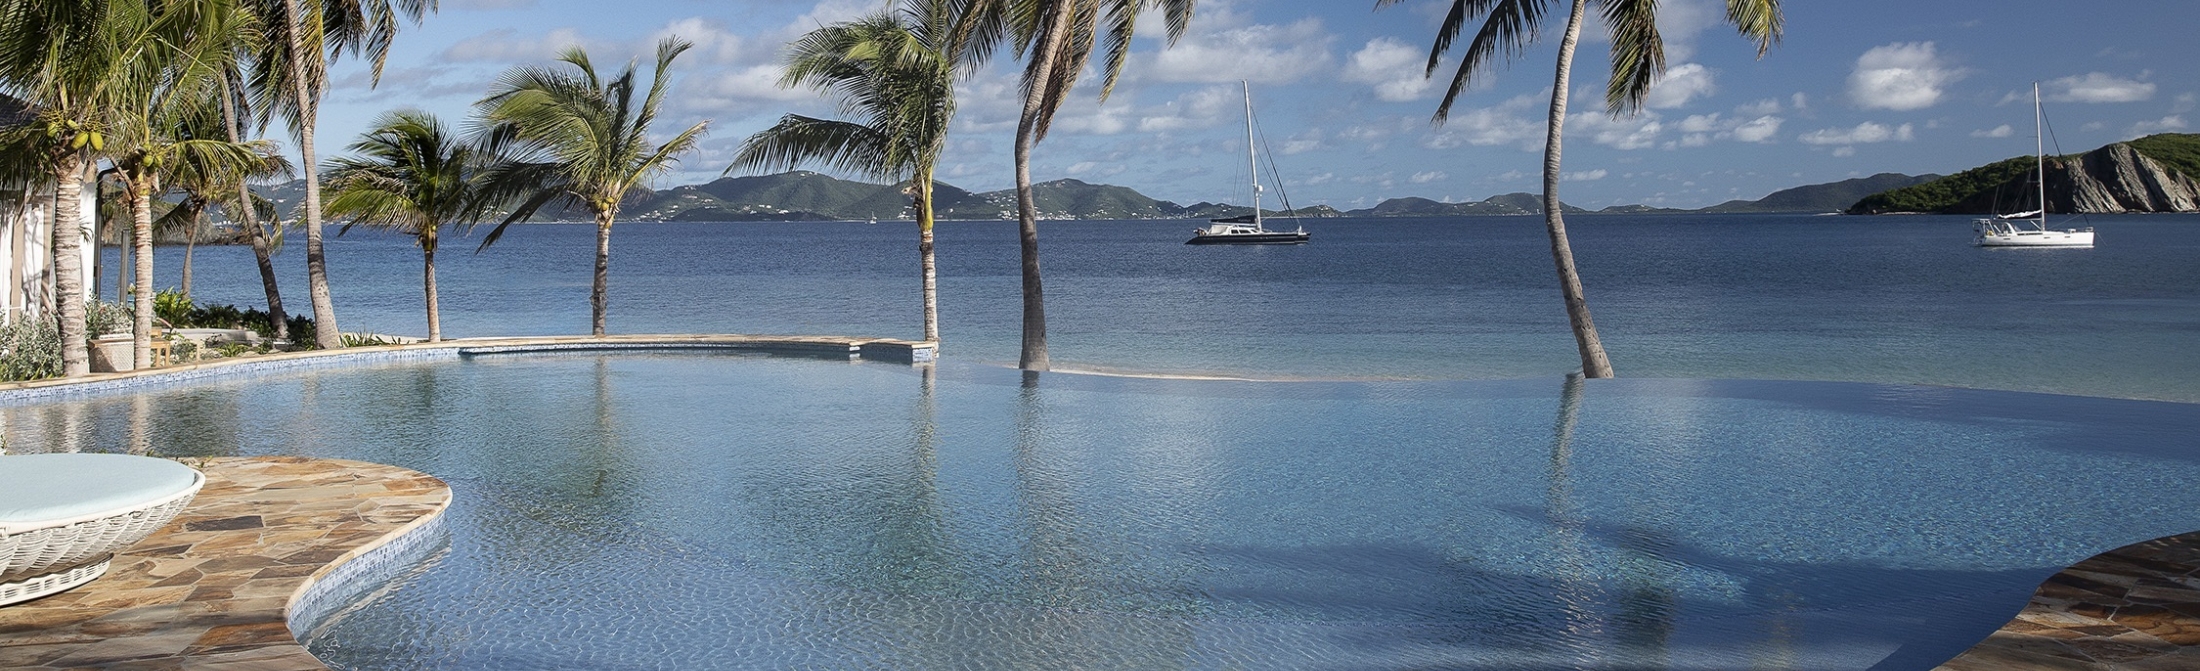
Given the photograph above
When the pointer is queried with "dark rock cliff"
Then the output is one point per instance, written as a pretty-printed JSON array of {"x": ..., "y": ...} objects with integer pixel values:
[{"x": 2116, "y": 178}]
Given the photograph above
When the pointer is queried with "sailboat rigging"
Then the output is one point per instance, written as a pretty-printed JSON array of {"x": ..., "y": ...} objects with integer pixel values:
[
  {"x": 1247, "y": 229},
  {"x": 2002, "y": 231}
]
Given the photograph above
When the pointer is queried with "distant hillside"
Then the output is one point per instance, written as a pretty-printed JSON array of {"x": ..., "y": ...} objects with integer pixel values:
[
  {"x": 1504, "y": 204},
  {"x": 809, "y": 196},
  {"x": 2150, "y": 174},
  {"x": 1831, "y": 197}
]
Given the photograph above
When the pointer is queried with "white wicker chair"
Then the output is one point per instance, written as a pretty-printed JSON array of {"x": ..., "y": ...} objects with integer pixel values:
[{"x": 63, "y": 516}]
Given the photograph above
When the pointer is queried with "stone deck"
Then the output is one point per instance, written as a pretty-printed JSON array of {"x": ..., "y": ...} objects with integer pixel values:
[
  {"x": 2136, "y": 607},
  {"x": 211, "y": 590}
]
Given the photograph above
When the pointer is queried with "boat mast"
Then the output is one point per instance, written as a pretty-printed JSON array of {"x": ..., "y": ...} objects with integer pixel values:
[
  {"x": 1252, "y": 158},
  {"x": 2039, "y": 150}
]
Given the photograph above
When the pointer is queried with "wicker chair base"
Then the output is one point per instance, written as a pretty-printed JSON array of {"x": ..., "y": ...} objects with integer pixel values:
[{"x": 52, "y": 583}]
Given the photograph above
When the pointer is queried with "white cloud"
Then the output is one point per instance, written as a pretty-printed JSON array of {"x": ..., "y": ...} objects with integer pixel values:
[
  {"x": 1761, "y": 129},
  {"x": 1701, "y": 129},
  {"x": 1304, "y": 142},
  {"x": 753, "y": 83},
  {"x": 1844, "y": 151},
  {"x": 1584, "y": 176},
  {"x": 2162, "y": 125},
  {"x": 1863, "y": 133},
  {"x": 1259, "y": 53},
  {"x": 1759, "y": 108},
  {"x": 1505, "y": 123},
  {"x": 1392, "y": 67},
  {"x": 1998, "y": 131},
  {"x": 1900, "y": 76},
  {"x": 505, "y": 45},
  {"x": 1680, "y": 84},
  {"x": 1636, "y": 132},
  {"x": 1426, "y": 177},
  {"x": 1200, "y": 108},
  {"x": 2097, "y": 87}
]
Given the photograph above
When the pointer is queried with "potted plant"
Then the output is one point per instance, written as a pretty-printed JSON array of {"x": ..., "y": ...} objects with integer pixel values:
[{"x": 111, "y": 342}]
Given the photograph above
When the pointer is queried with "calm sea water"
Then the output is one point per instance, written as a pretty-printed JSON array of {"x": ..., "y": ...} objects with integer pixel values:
[{"x": 1888, "y": 299}]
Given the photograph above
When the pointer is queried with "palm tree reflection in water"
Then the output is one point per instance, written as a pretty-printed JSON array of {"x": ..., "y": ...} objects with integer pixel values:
[{"x": 1630, "y": 615}]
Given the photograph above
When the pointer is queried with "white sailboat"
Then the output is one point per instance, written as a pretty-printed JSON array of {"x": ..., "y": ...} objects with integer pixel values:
[
  {"x": 1246, "y": 229},
  {"x": 2004, "y": 231}
]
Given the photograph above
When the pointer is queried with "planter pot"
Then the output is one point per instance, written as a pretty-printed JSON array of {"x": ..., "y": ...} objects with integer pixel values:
[{"x": 112, "y": 353}]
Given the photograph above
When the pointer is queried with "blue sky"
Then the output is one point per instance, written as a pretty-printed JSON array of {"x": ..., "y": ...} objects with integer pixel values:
[{"x": 1856, "y": 87}]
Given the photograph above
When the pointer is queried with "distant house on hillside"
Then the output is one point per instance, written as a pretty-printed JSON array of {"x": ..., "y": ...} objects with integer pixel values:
[{"x": 26, "y": 233}]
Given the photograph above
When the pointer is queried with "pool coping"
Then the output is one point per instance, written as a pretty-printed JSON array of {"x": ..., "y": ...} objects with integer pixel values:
[
  {"x": 217, "y": 588},
  {"x": 853, "y": 348}
]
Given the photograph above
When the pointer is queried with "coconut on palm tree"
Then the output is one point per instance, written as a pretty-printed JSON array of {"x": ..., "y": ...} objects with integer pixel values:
[
  {"x": 413, "y": 176},
  {"x": 1638, "y": 59},
  {"x": 895, "y": 72},
  {"x": 1056, "y": 38},
  {"x": 62, "y": 57},
  {"x": 166, "y": 81},
  {"x": 573, "y": 137},
  {"x": 301, "y": 38}
]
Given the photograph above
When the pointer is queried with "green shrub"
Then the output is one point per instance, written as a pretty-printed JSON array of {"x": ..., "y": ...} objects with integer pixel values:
[
  {"x": 103, "y": 317},
  {"x": 214, "y": 317},
  {"x": 301, "y": 333},
  {"x": 30, "y": 349},
  {"x": 170, "y": 305},
  {"x": 235, "y": 349},
  {"x": 363, "y": 340}
]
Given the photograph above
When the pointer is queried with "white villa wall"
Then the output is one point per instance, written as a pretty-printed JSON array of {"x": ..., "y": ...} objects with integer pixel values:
[{"x": 26, "y": 265}]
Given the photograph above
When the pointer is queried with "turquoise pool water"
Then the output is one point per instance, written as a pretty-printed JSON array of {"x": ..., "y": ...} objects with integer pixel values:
[{"x": 683, "y": 511}]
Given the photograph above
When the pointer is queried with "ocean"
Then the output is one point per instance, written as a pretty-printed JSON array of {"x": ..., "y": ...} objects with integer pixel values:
[{"x": 1902, "y": 299}]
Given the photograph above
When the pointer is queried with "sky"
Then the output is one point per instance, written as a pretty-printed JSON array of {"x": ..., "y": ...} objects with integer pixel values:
[{"x": 1854, "y": 88}]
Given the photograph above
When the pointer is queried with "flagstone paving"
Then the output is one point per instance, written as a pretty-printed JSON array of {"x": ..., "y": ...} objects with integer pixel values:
[
  {"x": 2135, "y": 607},
  {"x": 210, "y": 590}
]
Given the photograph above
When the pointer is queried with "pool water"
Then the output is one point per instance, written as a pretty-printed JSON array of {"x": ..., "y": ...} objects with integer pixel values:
[{"x": 685, "y": 511}]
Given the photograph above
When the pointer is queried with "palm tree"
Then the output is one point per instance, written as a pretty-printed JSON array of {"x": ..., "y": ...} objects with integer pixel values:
[
  {"x": 412, "y": 175},
  {"x": 168, "y": 80},
  {"x": 1638, "y": 59},
  {"x": 1056, "y": 38},
  {"x": 207, "y": 185},
  {"x": 303, "y": 36},
  {"x": 579, "y": 139},
  {"x": 897, "y": 74},
  {"x": 63, "y": 57}
]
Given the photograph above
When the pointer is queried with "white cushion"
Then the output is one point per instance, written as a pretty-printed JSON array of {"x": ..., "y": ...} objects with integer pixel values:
[{"x": 37, "y": 489}]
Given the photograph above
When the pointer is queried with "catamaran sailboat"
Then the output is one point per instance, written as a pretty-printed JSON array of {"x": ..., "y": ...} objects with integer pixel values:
[
  {"x": 1247, "y": 229},
  {"x": 2003, "y": 231}
]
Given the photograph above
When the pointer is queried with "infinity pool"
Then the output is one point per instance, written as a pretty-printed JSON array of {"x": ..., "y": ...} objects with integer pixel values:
[{"x": 685, "y": 511}]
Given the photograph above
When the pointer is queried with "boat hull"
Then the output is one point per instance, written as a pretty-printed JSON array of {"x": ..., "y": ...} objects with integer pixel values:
[
  {"x": 1271, "y": 238},
  {"x": 2036, "y": 239}
]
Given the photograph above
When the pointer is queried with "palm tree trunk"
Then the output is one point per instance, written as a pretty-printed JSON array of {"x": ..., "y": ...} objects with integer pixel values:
[
  {"x": 68, "y": 266},
  {"x": 141, "y": 233},
  {"x": 325, "y": 333},
  {"x": 598, "y": 296},
  {"x": 1593, "y": 361},
  {"x": 261, "y": 248},
  {"x": 924, "y": 251},
  {"x": 190, "y": 246},
  {"x": 427, "y": 280},
  {"x": 1034, "y": 356},
  {"x": 262, "y": 252}
]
